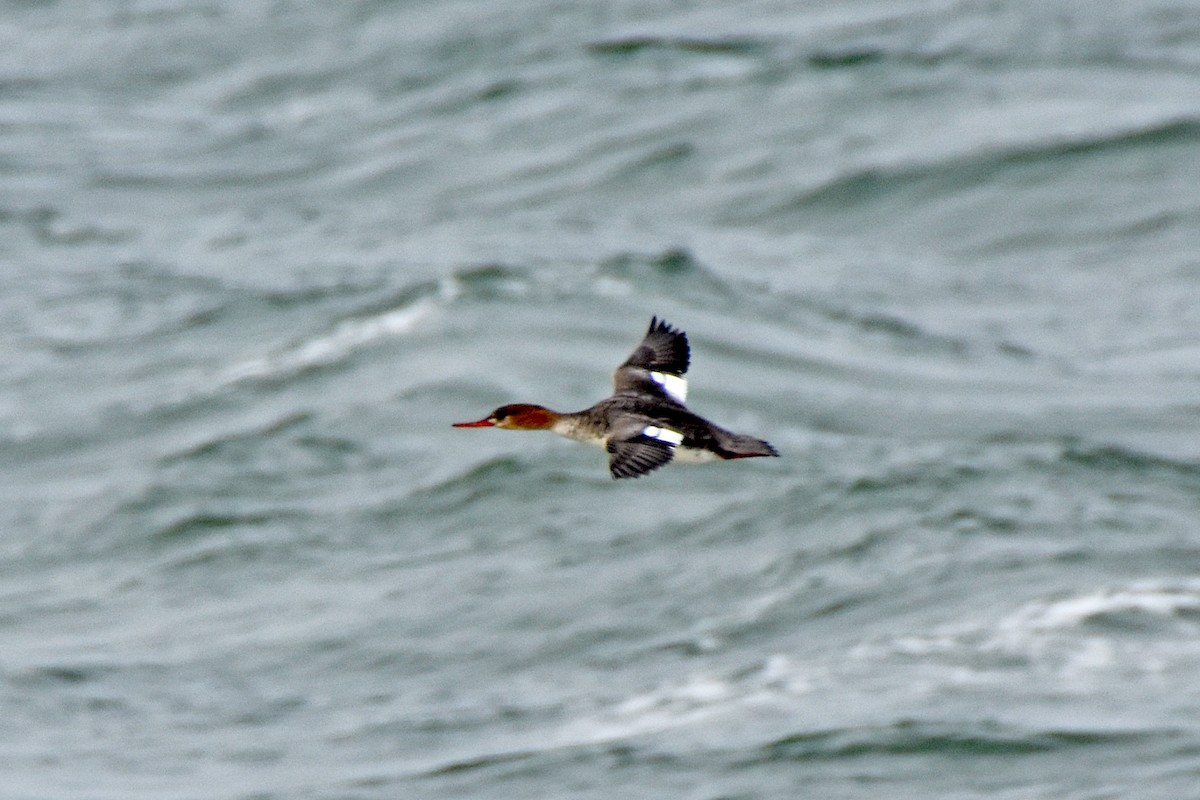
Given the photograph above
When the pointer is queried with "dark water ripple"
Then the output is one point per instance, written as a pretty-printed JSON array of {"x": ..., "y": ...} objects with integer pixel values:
[{"x": 875, "y": 184}]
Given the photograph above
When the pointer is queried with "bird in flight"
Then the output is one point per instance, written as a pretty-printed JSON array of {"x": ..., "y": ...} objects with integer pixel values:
[{"x": 645, "y": 423}]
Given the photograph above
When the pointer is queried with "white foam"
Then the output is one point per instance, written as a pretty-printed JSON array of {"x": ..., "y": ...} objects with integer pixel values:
[
  {"x": 692, "y": 701},
  {"x": 345, "y": 338},
  {"x": 1064, "y": 641},
  {"x": 1071, "y": 612}
]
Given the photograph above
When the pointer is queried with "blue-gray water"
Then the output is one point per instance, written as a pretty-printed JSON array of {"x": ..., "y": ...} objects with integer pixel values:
[{"x": 255, "y": 257}]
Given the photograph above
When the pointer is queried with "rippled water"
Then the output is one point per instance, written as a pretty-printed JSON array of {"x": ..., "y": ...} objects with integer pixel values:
[{"x": 258, "y": 257}]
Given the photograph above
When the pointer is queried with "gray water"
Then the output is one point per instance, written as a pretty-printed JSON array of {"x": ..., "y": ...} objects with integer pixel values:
[{"x": 256, "y": 257}]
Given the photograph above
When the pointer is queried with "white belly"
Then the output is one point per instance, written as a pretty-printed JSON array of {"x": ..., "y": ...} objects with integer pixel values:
[
  {"x": 685, "y": 455},
  {"x": 691, "y": 455}
]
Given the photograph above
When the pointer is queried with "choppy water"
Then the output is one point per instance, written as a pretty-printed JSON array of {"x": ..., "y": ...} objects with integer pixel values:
[{"x": 258, "y": 256}]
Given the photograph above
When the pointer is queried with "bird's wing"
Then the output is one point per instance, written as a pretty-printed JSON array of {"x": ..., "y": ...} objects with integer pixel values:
[
  {"x": 657, "y": 365},
  {"x": 637, "y": 445}
]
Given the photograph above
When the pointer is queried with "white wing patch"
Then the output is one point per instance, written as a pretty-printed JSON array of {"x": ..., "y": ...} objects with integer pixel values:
[
  {"x": 666, "y": 435},
  {"x": 674, "y": 385}
]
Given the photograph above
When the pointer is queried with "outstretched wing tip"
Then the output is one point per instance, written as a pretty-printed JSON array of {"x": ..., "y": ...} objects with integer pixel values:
[
  {"x": 660, "y": 324},
  {"x": 664, "y": 348},
  {"x": 640, "y": 448}
]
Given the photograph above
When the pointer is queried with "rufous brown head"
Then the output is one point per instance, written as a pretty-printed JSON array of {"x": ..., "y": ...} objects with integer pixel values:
[{"x": 518, "y": 416}]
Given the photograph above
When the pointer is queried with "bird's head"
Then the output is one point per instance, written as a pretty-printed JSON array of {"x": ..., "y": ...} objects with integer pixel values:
[{"x": 517, "y": 417}]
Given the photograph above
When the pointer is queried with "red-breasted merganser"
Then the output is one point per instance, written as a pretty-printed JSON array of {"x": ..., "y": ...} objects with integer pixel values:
[{"x": 645, "y": 423}]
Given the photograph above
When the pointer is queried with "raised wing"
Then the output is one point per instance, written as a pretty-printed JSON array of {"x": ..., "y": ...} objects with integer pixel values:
[
  {"x": 639, "y": 446},
  {"x": 657, "y": 365}
]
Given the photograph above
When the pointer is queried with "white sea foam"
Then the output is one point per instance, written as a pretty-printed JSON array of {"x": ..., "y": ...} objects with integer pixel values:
[
  {"x": 344, "y": 339},
  {"x": 693, "y": 700},
  {"x": 1161, "y": 600},
  {"x": 1153, "y": 628}
]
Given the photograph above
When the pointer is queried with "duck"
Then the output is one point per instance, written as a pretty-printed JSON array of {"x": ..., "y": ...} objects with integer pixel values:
[{"x": 645, "y": 423}]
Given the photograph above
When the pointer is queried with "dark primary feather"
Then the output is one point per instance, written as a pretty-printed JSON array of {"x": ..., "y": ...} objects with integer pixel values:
[
  {"x": 664, "y": 349},
  {"x": 636, "y": 457},
  {"x": 631, "y": 453}
]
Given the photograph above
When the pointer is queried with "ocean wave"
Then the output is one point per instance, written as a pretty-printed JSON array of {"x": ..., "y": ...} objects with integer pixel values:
[
  {"x": 490, "y": 477},
  {"x": 1138, "y": 605},
  {"x": 334, "y": 347},
  {"x": 872, "y": 182},
  {"x": 775, "y": 682},
  {"x": 1115, "y": 458},
  {"x": 1075, "y": 643},
  {"x": 204, "y": 524},
  {"x": 136, "y": 302},
  {"x": 919, "y": 737},
  {"x": 713, "y": 45},
  {"x": 623, "y": 274}
]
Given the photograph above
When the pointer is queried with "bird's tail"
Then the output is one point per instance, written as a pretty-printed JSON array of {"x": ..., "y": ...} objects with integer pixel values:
[{"x": 736, "y": 445}]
